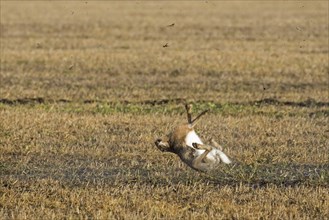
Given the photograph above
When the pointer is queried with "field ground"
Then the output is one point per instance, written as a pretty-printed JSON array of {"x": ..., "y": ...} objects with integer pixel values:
[{"x": 86, "y": 88}]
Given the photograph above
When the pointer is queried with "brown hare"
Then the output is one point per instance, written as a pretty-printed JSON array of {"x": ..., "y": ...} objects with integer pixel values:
[{"x": 184, "y": 142}]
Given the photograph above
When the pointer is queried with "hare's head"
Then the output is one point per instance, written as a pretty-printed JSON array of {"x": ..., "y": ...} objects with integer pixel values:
[{"x": 163, "y": 145}]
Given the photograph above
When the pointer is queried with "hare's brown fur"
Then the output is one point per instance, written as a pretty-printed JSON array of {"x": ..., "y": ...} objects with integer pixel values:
[{"x": 196, "y": 154}]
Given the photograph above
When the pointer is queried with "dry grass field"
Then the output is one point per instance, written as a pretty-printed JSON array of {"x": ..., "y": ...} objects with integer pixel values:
[{"x": 86, "y": 87}]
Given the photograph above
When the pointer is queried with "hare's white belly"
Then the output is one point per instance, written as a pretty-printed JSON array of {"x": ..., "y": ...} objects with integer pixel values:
[
  {"x": 191, "y": 138},
  {"x": 214, "y": 155}
]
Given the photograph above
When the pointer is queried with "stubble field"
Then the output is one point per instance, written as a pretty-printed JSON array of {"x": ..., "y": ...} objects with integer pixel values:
[{"x": 86, "y": 88}]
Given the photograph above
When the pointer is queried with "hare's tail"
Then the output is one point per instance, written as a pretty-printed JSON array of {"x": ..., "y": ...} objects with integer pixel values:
[
  {"x": 224, "y": 158},
  {"x": 222, "y": 155}
]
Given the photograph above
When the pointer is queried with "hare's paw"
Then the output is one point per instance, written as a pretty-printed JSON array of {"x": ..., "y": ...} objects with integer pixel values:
[{"x": 196, "y": 145}]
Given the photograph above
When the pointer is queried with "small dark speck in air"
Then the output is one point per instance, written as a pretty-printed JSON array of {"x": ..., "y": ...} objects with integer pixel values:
[
  {"x": 298, "y": 29},
  {"x": 39, "y": 45}
]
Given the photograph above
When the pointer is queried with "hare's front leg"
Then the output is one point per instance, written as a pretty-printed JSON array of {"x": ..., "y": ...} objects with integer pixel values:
[
  {"x": 208, "y": 147},
  {"x": 202, "y": 146}
]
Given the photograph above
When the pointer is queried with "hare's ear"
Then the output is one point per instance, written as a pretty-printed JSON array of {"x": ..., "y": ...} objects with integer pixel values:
[
  {"x": 188, "y": 108},
  {"x": 195, "y": 121}
]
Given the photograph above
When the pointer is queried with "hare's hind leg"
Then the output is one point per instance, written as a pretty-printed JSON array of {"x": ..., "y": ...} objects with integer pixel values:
[
  {"x": 215, "y": 144},
  {"x": 198, "y": 162}
]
